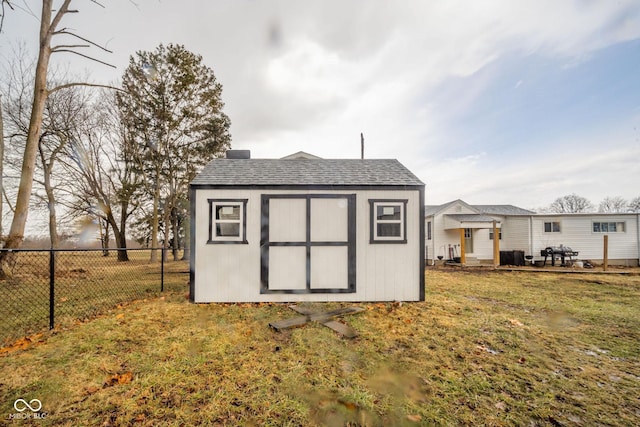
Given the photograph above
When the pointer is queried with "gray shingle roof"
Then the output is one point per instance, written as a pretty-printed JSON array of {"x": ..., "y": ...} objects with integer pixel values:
[
  {"x": 267, "y": 172},
  {"x": 471, "y": 217},
  {"x": 485, "y": 209},
  {"x": 503, "y": 210}
]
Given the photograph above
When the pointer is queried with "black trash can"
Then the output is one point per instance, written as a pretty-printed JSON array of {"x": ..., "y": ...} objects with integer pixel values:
[{"x": 512, "y": 258}]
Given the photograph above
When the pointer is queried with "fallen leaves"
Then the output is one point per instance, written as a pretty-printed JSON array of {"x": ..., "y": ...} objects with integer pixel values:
[
  {"x": 516, "y": 322},
  {"x": 22, "y": 344},
  {"x": 118, "y": 379},
  {"x": 91, "y": 390}
]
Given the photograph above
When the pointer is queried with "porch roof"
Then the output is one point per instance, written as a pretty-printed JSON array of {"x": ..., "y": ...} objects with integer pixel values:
[{"x": 452, "y": 221}]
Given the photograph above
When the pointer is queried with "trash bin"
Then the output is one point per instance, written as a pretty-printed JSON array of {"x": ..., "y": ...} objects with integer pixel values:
[{"x": 512, "y": 258}]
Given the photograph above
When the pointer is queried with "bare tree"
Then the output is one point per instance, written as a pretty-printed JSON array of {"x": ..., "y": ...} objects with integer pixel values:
[
  {"x": 49, "y": 27},
  {"x": 59, "y": 117},
  {"x": 102, "y": 168},
  {"x": 634, "y": 205},
  {"x": 571, "y": 203},
  {"x": 613, "y": 205},
  {"x": 63, "y": 112}
]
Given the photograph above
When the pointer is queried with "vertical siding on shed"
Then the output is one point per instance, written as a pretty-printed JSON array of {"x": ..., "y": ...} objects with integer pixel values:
[{"x": 231, "y": 272}]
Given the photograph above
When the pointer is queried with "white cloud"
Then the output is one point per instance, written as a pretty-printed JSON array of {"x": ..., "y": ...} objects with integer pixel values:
[{"x": 312, "y": 75}]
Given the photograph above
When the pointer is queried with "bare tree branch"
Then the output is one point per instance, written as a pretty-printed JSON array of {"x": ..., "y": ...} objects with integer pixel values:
[
  {"x": 3, "y": 13},
  {"x": 68, "y": 85},
  {"x": 68, "y": 46},
  {"x": 6, "y": 199},
  {"x": 64, "y": 31},
  {"x": 86, "y": 56}
]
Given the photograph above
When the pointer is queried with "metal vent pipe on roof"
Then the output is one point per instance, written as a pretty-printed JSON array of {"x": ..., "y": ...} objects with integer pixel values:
[{"x": 238, "y": 154}]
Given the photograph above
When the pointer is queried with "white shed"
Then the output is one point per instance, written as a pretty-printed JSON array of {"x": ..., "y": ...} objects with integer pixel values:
[{"x": 306, "y": 229}]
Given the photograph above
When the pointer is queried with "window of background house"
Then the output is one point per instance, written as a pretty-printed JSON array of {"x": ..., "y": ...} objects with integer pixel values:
[
  {"x": 552, "y": 227},
  {"x": 609, "y": 227},
  {"x": 491, "y": 234},
  {"x": 429, "y": 230}
]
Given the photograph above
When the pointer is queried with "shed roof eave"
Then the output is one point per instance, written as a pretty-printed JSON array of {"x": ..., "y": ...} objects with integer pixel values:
[{"x": 399, "y": 187}]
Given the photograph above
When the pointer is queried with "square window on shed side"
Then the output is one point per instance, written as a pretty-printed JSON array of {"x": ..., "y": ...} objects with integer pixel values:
[
  {"x": 388, "y": 221},
  {"x": 227, "y": 221}
]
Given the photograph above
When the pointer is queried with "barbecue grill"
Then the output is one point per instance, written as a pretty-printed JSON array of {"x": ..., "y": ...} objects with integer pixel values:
[{"x": 563, "y": 252}]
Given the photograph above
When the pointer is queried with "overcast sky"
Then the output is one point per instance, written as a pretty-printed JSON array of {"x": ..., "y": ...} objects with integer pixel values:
[{"x": 515, "y": 102}]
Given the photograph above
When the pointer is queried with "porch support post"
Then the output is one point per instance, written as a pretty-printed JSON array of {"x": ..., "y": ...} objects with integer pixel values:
[
  {"x": 463, "y": 258},
  {"x": 605, "y": 256},
  {"x": 496, "y": 245}
]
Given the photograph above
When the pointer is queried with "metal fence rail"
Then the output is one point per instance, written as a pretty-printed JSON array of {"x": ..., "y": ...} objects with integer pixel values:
[{"x": 45, "y": 288}]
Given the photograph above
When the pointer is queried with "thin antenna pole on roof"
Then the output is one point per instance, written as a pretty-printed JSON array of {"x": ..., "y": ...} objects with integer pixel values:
[{"x": 361, "y": 145}]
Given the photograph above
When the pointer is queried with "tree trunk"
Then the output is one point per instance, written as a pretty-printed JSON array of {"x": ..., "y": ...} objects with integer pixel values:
[
  {"x": 120, "y": 238},
  {"x": 167, "y": 227},
  {"x": 51, "y": 199},
  {"x": 1, "y": 166},
  {"x": 187, "y": 237},
  {"x": 154, "y": 221},
  {"x": 104, "y": 238},
  {"x": 53, "y": 223},
  {"x": 174, "y": 228},
  {"x": 121, "y": 235}
]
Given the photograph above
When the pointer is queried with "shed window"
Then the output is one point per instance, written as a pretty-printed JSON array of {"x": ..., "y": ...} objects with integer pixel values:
[
  {"x": 609, "y": 227},
  {"x": 227, "y": 221},
  {"x": 552, "y": 227},
  {"x": 388, "y": 221}
]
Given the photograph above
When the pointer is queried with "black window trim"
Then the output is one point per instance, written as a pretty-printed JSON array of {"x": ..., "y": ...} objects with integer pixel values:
[
  {"x": 544, "y": 226},
  {"x": 373, "y": 221},
  {"x": 214, "y": 240}
]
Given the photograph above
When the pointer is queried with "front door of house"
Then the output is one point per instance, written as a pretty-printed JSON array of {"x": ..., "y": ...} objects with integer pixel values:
[
  {"x": 468, "y": 240},
  {"x": 308, "y": 243}
]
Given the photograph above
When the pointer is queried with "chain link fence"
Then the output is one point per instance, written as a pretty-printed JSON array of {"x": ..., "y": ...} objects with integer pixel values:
[{"x": 42, "y": 289}]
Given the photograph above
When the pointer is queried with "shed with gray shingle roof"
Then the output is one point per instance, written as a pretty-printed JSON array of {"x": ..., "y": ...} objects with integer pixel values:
[{"x": 306, "y": 229}]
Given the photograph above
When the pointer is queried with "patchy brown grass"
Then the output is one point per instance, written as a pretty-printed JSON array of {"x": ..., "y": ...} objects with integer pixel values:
[
  {"x": 86, "y": 285},
  {"x": 496, "y": 348}
]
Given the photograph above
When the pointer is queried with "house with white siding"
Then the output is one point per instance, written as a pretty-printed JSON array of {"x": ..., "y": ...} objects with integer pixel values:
[
  {"x": 303, "y": 228},
  {"x": 456, "y": 225}
]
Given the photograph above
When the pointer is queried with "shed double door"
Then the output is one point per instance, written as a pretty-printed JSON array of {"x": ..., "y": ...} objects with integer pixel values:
[{"x": 308, "y": 243}]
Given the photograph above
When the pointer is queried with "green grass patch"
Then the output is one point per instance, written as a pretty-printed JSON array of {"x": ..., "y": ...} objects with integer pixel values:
[{"x": 488, "y": 348}]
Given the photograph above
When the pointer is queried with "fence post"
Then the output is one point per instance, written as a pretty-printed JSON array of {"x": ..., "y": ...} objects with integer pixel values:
[
  {"x": 162, "y": 269},
  {"x": 52, "y": 286}
]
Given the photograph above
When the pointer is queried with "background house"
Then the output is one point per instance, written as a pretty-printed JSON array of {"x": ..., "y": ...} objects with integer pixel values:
[
  {"x": 454, "y": 224},
  {"x": 306, "y": 229}
]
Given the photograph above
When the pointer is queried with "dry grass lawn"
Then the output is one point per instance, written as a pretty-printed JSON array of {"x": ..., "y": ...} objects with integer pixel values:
[{"x": 489, "y": 348}]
